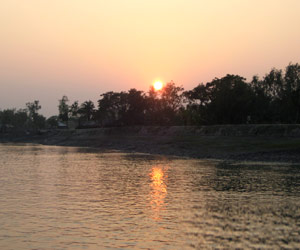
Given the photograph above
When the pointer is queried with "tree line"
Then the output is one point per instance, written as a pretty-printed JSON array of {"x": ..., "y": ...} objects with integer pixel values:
[
  {"x": 275, "y": 98},
  {"x": 22, "y": 119}
]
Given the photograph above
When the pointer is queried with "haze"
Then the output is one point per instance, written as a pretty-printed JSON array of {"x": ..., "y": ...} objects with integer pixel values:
[{"x": 84, "y": 48}]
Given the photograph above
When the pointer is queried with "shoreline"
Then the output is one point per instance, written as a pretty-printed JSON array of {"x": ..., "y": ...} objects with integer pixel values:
[{"x": 271, "y": 143}]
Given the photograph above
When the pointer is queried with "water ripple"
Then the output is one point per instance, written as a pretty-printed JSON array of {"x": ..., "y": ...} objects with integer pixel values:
[{"x": 69, "y": 198}]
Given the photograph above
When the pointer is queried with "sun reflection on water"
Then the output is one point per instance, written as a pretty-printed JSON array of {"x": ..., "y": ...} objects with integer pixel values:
[{"x": 158, "y": 191}]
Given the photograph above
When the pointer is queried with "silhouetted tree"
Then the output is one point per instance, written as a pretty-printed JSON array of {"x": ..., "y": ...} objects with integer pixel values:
[
  {"x": 222, "y": 101},
  {"x": 171, "y": 96},
  {"x": 63, "y": 109},
  {"x": 20, "y": 119},
  {"x": 262, "y": 102},
  {"x": 52, "y": 121},
  {"x": 7, "y": 116},
  {"x": 7, "y": 119},
  {"x": 198, "y": 95},
  {"x": 74, "y": 109},
  {"x": 277, "y": 96},
  {"x": 36, "y": 120},
  {"x": 231, "y": 100},
  {"x": 16, "y": 118},
  {"x": 111, "y": 107},
  {"x": 163, "y": 106},
  {"x": 197, "y": 100},
  {"x": 291, "y": 94},
  {"x": 87, "y": 110},
  {"x": 153, "y": 114},
  {"x": 33, "y": 108},
  {"x": 134, "y": 114}
]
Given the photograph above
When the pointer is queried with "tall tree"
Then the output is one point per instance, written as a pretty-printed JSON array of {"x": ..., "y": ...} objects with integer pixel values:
[
  {"x": 74, "y": 109},
  {"x": 33, "y": 108},
  {"x": 171, "y": 96},
  {"x": 111, "y": 108},
  {"x": 134, "y": 114},
  {"x": 37, "y": 120},
  {"x": 197, "y": 100},
  {"x": 164, "y": 105},
  {"x": 87, "y": 110},
  {"x": 230, "y": 100},
  {"x": 291, "y": 96},
  {"x": 63, "y": 109}
]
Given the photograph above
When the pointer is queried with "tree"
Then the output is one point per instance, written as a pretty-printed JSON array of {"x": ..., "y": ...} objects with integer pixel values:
[
  {"x": 74, "y": 109},
  {"x": 21, "y": 118},
  {"x": 153, "y": 107},
  {"x": 171, "y": 96},
  {"x": 33, "y": 108},
  {"x": 63, "y": 109},
  {"x": 111, "y": 108},
  {"x": 7, "y": 116},
  {"x": 163, "y": 106},
  {"x": 87, "y": 110},
  {"x": 52, "y": 121},
  {"x": 277, "y": 96},
  {"x": 196, "y": 109},
  {"x": 15, "y": 119},
  {"x": 230, "y": 100},
  {"x": 40, "y": 121},
  {"x": 37, "y": 120},
  {"x": 262, "y": 102},
  {"x": 291, "y": 94},
  {"x": 134, "y": 114},
  {"x": 198, "y": 95}
]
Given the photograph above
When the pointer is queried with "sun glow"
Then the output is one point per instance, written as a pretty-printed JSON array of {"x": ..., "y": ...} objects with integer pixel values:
[{"x": 158, "y": 85}]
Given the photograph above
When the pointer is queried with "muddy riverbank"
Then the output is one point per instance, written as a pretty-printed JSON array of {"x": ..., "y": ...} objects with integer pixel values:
[{"x": 228, "y": 142}]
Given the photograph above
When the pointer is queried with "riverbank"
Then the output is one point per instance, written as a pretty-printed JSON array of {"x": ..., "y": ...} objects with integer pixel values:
[{"x": 227, "y": 142}]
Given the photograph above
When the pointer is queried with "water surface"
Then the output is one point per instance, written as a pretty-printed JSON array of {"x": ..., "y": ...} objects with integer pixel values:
[{"x": 76, "y": 198}]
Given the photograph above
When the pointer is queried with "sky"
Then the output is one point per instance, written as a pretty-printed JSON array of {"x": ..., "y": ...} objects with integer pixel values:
[{"x": 83, "y": 48}]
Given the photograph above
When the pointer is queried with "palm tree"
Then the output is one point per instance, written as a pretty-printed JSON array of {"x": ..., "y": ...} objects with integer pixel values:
[{"x": 87, "y": 110}]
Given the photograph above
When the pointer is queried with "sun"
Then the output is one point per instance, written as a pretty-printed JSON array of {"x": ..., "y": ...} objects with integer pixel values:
[{"x": 158, "y": 85}]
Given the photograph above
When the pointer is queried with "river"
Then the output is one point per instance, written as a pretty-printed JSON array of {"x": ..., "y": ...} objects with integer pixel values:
[{"x": 79, "y": 198}]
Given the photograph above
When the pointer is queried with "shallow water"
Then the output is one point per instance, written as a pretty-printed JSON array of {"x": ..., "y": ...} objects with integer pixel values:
[{"x": 76, "y": 198}]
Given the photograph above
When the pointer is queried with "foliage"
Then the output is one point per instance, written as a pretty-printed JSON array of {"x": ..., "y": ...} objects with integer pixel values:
[
  {"x": 275, "y": 98},
  {"x": 52, "y": 121},
  {"x": 63, "y": 109},
  {"x": 33, "y": 108},
  {"x": 87, "y": 110},
  {"x": 74, "y": 109},
  {"x": 229, "y": 100},
  {"x": 35, "y": 120},
  {"x": 22, "y": 119}
]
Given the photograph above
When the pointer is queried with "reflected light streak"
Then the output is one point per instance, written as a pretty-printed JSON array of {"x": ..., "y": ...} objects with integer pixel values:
[{"x": 158, "y": 190}]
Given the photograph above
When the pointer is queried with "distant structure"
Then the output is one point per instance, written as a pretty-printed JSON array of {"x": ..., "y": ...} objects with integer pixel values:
[{"x": 61, "y": 125}]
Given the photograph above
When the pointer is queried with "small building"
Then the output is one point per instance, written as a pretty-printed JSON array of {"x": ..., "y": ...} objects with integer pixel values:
[{"x": 61, "y": 125}]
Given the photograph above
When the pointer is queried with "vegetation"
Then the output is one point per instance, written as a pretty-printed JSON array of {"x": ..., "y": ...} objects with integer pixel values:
[
  {"x": 229, "y": 100},
  {"x": 63, "y": 109},
  {"x": 22, "y": 119}
]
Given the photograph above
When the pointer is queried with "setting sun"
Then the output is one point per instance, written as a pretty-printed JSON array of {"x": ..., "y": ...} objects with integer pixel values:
[{"x": 158, "y": 85}]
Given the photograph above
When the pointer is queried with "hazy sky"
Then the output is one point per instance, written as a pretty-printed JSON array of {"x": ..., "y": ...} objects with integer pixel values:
[{"x": 82, "y": 48}]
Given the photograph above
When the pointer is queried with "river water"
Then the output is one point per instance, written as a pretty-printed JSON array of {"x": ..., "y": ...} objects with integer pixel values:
[{"x": 76, "y": 198}]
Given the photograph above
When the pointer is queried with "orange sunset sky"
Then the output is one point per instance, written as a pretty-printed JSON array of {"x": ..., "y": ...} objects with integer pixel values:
[{"x": 82, "y": 48}]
